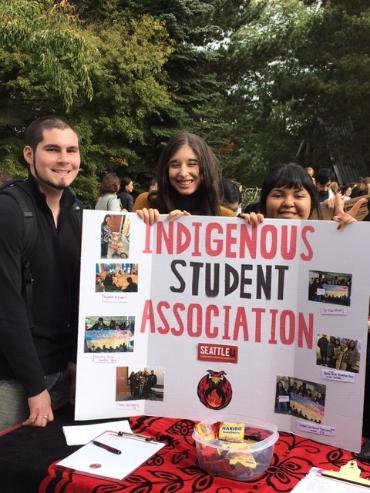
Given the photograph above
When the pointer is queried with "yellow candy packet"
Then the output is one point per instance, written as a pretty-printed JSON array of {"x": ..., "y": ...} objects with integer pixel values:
[
  {"x": 231, "y": 432},
  {"x": 205, "y": 432},
  {"x": 246, "y": 460}
]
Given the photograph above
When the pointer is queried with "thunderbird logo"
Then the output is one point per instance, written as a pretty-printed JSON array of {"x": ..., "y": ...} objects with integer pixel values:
[{"x": 214, "y": 390}]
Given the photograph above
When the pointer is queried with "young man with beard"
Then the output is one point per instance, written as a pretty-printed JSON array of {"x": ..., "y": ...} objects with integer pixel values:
[{"x": 38, "y": 337}]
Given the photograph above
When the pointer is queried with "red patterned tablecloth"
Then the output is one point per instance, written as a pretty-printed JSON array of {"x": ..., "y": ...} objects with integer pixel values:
[{"x": 175, "y": 469}]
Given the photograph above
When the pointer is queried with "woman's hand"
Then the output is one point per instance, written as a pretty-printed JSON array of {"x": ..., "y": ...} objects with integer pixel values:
[
  {"x": 149, "y": 216},
  {"x": 344, "y": 218},
  {"x": 176, "y": 213},
  {"x": 253, "y": 218}
]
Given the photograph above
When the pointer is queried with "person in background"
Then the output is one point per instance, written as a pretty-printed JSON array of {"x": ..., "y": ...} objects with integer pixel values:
[
  {"x": 324, "y": 178},
  {"x": 311, "y": 172},
  {"x": 153, "y": 185},
  {"x": 334, "y": 187},
  {"x": 231, "y": 197},
  {"x": 189, "y": 182},
  {"x": 125, "y": 196},
  {"x": 38, "y": 350},
  {"x": 362, "y": 187},
  {"x": 108, "y": 199},
  {"x": 346, "y": 191}
]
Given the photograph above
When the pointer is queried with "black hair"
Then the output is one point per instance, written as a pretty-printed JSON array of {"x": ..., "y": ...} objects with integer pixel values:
[
  {"x": 208, "y": 195},
  {"x": 34, "y": 132},
  {"x": 289, "y": 175},
  {"x": 231, "y": 192},
  {"x": 126, "y": 180},
  {"x": 323, "y": 176}
]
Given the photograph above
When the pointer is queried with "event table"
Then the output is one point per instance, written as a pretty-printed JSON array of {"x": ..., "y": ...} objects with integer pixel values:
[{"x": 28, "y": 456}]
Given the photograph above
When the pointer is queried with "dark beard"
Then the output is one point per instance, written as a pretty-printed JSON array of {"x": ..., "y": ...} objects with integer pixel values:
[{"x": 60, "y": 186}]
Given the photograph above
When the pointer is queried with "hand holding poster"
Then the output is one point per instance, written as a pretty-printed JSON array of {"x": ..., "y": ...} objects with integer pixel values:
[{"x": 207, "y": 315}]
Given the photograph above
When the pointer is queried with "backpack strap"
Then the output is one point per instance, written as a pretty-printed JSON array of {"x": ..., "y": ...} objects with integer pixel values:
[{"x": 25, "y": 204}]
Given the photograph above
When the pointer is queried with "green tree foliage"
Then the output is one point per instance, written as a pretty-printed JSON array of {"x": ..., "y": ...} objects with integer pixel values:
[
  {"x": 196, "y": 79},
  {"x": 105, "y": 75},
  {"x": 129, "y": 88},
  {"x": 45, "y": 65},
  {"x": 259, "y": 79},
  {"x": 299, "y": 70}
]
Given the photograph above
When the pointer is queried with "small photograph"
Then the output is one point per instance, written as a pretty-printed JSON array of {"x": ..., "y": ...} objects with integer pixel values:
[
  {"x": 115, "y": 236},
  {"x": 139, "y": 383},
  {"x": 116, "y": 277},
  {"x": 330, "y": 287},
  {"x": 300, "y": 398},
  {"x": 109, "y": 334},
  {"x": 307, "y": 400},
  {"x": 282, "y": 399},
  {"x": 340, "y": 353}
]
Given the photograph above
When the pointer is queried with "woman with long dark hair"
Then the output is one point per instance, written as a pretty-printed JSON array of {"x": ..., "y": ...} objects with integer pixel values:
[{"x": 189, "y": 182}]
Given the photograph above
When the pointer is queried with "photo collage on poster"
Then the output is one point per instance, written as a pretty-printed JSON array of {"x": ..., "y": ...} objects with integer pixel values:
[
  {"x": 115, "y": 276},
  {"x": 300, "y": 398},
  {"x": 336, "y": 351},
  {"x": 330, "y": 287},
  {"x": 139, "y": 384},
  {"x": 340, "y": 353},
  {"x": 108, "y": 333}
]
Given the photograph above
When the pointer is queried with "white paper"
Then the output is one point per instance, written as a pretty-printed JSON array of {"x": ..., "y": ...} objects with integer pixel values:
[
  {"x": 316, "y": 429},
  {"x": 337, "y": 375},
  {"x": 315, "y": 483},
  {"x": 97, "y": 461},
  {"x": 82, "y": 434}
]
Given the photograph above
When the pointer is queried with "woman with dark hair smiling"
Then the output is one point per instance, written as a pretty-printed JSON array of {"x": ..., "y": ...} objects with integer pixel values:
[
  {"x": 189, "y": 182},
  {"x": 289, "y": 193}
]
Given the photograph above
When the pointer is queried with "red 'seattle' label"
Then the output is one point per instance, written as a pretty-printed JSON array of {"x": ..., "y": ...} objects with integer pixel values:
[{"x": 217, "y": 352}]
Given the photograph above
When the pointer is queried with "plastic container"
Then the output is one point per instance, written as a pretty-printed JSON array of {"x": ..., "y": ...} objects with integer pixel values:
[{"x": 243, "y": 462}]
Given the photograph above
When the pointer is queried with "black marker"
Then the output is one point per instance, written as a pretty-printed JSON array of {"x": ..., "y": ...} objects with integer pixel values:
[{"x": 107, "y": 447}]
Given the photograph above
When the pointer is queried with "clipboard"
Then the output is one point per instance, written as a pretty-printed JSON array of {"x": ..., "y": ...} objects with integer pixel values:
[
  {"x": 111, "y": 455},
  {"x": 347, "y": 480},
  {"x": 349, "y": 473}
]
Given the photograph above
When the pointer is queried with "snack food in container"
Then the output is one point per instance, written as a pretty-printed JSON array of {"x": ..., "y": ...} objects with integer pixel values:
[{"x": 245, "y": 450}]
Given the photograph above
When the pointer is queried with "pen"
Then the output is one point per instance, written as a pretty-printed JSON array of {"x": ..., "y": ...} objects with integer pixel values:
[
  {"x": 106, "y": 447},
  {"x": 135, "y": 436}
]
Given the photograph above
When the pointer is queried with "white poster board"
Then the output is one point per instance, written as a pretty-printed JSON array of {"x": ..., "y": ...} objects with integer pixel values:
[{"x": 207, "y": 316}]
